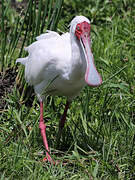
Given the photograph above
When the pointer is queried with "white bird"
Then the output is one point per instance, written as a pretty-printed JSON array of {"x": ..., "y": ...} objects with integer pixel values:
[{"x": 61, "y": 65}]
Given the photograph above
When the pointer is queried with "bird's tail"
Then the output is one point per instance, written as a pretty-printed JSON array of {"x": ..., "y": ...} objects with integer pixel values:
[{"x": 22, "y": 60}]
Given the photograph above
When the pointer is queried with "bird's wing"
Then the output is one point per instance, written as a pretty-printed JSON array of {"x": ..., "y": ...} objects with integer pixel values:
[
  {"x": 47, "y": 58},
  {"x": 22, "y": 60},
  {"x": 66, "y": 37},
  {"x": 45, "y": 55},
  {"x": 49, "y": 34}
]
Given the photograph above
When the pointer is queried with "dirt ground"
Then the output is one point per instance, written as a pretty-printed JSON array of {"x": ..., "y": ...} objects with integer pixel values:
[
  {"x": 7, "y": 82},
  {"x": 7, "y": 78}
]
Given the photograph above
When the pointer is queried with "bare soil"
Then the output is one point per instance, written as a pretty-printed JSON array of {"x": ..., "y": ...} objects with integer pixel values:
[{"x": 7, "y": 82}]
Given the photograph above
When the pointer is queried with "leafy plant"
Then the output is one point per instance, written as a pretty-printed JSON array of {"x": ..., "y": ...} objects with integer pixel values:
[{"x": 28, "y": 24}]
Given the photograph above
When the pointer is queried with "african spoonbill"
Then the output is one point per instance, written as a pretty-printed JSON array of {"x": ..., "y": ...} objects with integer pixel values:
[{"x": 61, "y": 65}]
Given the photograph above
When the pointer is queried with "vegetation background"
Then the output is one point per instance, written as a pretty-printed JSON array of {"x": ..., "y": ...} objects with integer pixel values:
[{"x": 98, "y": 141}]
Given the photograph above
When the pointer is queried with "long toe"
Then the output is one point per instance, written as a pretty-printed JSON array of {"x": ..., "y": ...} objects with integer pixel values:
[{"x": 48, "y": 159}]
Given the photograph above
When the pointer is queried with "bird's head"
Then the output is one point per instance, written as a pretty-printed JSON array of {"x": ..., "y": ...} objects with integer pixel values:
[{"x": 80, "y": 27}]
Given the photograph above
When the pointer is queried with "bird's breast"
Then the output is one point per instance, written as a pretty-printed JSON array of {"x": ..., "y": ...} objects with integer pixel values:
[{"x": 65, "y": 87}]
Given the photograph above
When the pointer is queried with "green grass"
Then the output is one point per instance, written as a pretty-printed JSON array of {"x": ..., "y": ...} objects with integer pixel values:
[{"x": 98, "y": 141}]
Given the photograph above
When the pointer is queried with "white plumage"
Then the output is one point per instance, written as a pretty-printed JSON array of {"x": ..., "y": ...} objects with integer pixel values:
[
  {"x": 61, "y": 65},
  {"x": 57, "y": 59}
]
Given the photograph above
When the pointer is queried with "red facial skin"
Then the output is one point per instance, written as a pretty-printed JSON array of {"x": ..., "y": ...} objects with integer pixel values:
[{"x": 82, "y": 29}]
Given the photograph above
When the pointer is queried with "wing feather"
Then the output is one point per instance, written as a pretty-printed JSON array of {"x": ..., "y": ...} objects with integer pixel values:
[{"x": 49, "y": 34}]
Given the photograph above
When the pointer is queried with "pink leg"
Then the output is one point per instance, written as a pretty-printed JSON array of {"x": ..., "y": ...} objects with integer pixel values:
[
  {"x": 63, "y": 118},
  {"x": 42, "y": 126},
  {"x": 62, "y": 122}
]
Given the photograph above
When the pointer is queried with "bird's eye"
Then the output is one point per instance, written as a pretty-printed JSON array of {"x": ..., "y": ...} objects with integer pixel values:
[{"x": 78, "y": 28}]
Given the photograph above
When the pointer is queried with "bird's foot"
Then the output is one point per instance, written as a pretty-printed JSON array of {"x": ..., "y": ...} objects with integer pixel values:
[
  {"x": 54, "y": 162},
  {"x": 48, "y": 159},
  {"x": 45, "y": 159}
]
